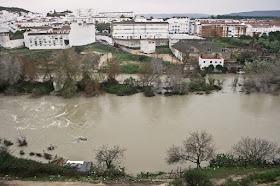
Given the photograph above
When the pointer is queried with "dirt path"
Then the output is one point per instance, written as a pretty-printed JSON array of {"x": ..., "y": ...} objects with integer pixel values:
[{"x": 38, "y": 183}]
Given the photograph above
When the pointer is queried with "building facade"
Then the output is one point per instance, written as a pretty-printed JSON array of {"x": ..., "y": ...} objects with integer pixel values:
[
  {"x": 65, "y": 37},
  {"x": 147, "y": 46},
  {"x": 179, "y": 25},
  {"x": 205, "y": 62},
  {"x": 140, "y": 30}
]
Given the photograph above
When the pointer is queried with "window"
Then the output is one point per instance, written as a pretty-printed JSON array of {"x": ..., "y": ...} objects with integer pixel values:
[
  {"x": 220, "y": 62},
  {"x": 210, "y": 61},
  {"x": 215, "y": 61},
  {"x": 203, "y": 61}
]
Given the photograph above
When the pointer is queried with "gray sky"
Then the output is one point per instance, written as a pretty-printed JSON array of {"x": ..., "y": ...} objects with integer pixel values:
[{"x": 212, "y": 7}]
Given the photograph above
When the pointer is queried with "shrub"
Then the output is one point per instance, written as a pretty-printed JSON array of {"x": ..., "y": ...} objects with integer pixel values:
[
  {"x": 230, "y": 182},
  {"x": 223, "y": 160},
  {"x": 108, "y": 173},
  {"x": 28, "y": 168},
  {"x": 196, "y": 177},
  {"x": 245, "y": 37},
  {"x": 7, "y": 143},
  {"x": 177, "y": 182},
  {"x": 69, "y": 89},
  {"x": 220, "y": 67},
  {"x": 130, "y": 68}
]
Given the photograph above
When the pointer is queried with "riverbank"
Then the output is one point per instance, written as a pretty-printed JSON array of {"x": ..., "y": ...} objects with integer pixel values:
[{"x": 36, "y": 173}]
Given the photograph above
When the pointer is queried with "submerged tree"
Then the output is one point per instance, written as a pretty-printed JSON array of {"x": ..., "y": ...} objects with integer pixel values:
[
  {"x": 197, "y": 148},
  {"x": 109, "y": 157},
  {"x": 262, "y": 75},
  {"x": 68, "y": 69}
]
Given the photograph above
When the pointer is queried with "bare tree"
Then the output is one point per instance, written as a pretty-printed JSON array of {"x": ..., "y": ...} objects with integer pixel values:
[
  {"x": 151, "y": 72},
  {"x": 114, "y": 69},
  {"x": 175, "y": 79},
  {"x": 109, "y": 157},
  {"x": 10, "y": 69},
  {"x": 256, "y": 149},
  {"x": 196, "y": 148},
  {"x": 29, "y": 68},
  {"x": 68, "y": 69}
]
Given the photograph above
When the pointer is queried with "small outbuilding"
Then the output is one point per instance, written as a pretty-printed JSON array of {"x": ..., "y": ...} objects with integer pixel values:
[
  {"x": 147, "y": 46},
  {"x": 205, "y": 62}
]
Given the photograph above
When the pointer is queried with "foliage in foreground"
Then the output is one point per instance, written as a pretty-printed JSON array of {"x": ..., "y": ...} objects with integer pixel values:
[
  {"x": 196, "y": 177},
  {"x": 23, "y": 168}
]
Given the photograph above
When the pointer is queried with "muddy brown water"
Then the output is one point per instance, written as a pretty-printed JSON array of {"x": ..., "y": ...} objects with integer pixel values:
[{"x": 146, "y": 127}]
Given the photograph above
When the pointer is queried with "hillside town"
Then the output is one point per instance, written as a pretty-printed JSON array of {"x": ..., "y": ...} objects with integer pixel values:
[{"x": 62, "y": 30}]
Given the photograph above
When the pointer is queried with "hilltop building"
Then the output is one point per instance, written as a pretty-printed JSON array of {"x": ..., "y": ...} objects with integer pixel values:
[{"x": 77, "y": 34}]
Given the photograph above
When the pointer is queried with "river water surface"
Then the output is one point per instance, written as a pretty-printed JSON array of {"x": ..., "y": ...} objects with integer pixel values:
[{"x": 146, "y": 127}]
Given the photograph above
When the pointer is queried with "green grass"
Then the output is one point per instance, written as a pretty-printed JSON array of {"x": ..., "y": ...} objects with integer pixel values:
[
  {"x": 23, "y": 168},
  {"x": 224, "y": 172},
  {"x": 235, "y": 42},
  {"x": 163, "y": 50},
  {"x": 32, "y": 54}
]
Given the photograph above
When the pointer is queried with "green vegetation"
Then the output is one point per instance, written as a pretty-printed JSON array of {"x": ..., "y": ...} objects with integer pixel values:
[
  {"x": 7, "y": 143},
  {"x": 103, "y": 27},
  {"x": 242, "y": 17},
  {"x": 32, "y": 54},
  {"x": 257, "y": 178},
  {"x": 196, "y": 177},
  {"x": 163, "y": 50},
  {"x": 270, "y": 42},
  {"x": 36, "y": 88},
  {"x": 129, "y": 87},
  {"x": 200, "y": 84},
  {"x": 23, "y": 168},
  {"x": 13, "y": 9}
]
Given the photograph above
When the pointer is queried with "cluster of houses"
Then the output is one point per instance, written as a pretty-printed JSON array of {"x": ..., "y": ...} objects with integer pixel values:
[{"x": 61, "y": 30}]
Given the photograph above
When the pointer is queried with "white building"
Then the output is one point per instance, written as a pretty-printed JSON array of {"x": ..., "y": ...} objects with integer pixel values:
[
  {"x": 81, "y": 34},
  {"x": 179, "y": 25},
  {"x": 140, "y": 30},
  {"x": 117, "y": 14},
  {"x": 147, "y": 46},
  {"x": 66, "y": 37},
  {"x": 261, "y": 29},
  {"x": 6, "y": 42},
  {"x": 206, "y": 62}
]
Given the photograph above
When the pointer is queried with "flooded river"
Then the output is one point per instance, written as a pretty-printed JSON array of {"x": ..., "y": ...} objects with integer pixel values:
[{"x": 146, "y": 127}]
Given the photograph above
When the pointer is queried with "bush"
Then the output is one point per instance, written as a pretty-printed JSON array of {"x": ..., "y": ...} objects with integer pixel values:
[
  {"x": 223, "y": 160},
  {"x": 230, "y": 182},
  {"x": 107, "y": 173},
  {"x": 37, "y": 87},
  {"x": 245, "y": 37},
  {"x": 7, "y": 143},
  {"x": 130, "y": 68},
  {"x": 69, "y": 89},
  {"x": 129, "y": 87},
  {"x": 177, "y": 182},
  {"x": 28, "y": 168},
  {"x": 220, "y": 67},
  {"x": 196, "y": 177}
]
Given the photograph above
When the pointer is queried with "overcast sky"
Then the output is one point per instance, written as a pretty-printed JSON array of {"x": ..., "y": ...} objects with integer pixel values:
[{"x": 212, "y": 7}]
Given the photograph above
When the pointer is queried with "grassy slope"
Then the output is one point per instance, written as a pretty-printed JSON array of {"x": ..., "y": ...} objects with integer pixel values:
[
  {"x": 245, "y": 41},
  {"x": 225, "y": 172}
]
